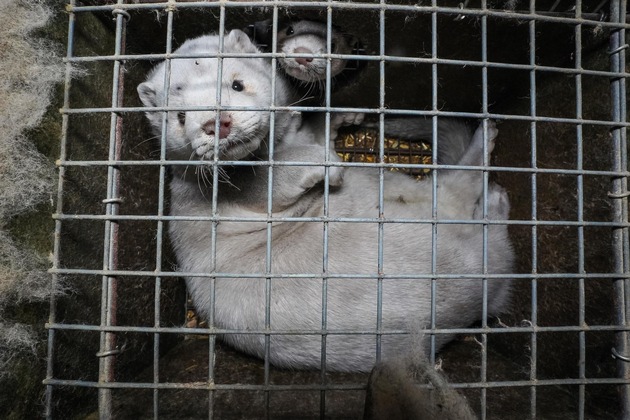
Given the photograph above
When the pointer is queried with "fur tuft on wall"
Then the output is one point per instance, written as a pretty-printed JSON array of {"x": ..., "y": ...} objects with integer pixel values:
[{"x": 30, "y": 69}]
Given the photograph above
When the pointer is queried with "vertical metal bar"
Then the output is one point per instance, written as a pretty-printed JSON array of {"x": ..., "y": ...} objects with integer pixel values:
[
  {"x": 619, "y": 195},
  {"x": 160, "y": 224},
  {"x": 268, "y": 266},
  {"x": 580, "y": 210},
  {"x": 215, "y": 209},
  {"x": 484, "y": 281},
  {"x": 379, "y": 281},
  {"x": 327, "y": 152},
  {"x": 110, "y": 250},
  {"x": 59, "y": 210},
  {"x": 434, "y": 180},
  {"x": 534, "y": 185}
]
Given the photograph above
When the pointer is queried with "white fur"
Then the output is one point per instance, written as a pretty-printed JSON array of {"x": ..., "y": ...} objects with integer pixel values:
[
  {"x": 297, "y": 247},
  {"x": 31, "y": 69},
  {"x": 193, "y": 83}
]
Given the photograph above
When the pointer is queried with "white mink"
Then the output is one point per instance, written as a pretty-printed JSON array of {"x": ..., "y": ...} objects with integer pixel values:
[{"x": 238, "y": 303}]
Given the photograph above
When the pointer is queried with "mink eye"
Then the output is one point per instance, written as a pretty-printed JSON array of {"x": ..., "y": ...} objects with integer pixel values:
[
  {"x": 290, "y": 30},
  {"x": 237, "y": 85},
  {"x": 181, "y": 117}
]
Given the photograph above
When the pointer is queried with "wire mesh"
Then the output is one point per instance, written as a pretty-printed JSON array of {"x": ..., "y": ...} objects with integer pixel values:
[{"x": 579, "y": 16}]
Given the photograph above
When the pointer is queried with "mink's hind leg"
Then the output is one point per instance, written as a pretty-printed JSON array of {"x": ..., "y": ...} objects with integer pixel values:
[{"x": 474, "y": 154}]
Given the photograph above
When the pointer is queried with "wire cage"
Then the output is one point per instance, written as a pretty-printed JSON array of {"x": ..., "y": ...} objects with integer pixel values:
[{"x": 552, "y": 74}]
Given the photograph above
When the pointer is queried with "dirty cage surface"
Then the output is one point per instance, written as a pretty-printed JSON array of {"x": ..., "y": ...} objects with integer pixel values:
[{"x": 551, "y": 73}]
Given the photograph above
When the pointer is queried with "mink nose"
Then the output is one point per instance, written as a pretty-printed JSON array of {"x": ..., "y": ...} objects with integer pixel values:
[
  {"x": 301, "y": 60},
  {"x": 225, "y": 126}
]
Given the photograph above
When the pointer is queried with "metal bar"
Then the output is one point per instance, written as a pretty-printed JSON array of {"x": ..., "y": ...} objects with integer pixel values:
[
  {"x": 517, "y": 15},
  {"x": 109, "y": 292},
  {"x": 160, "y": 223},
  {"x": 345, "y": 164},
  {"x": 415, "y": 276},
  {"x": 434, "y": 182},
  {"x": 327, "y": 153},
  {"x": 317, "y": 219},
  {"x": 208, "y": 386},
  {"x": 483, "y": 372},
  {"x": 620, "y": 202},
  {"x": 358, "y": 57},
  {"x": 468, "y": 330},
  {"x": 534, "y": 209},
  {"x": 406, "y": 112},
  {"x": 332, "y": 387},
  {"x": 268, "y": 256},
  {"x": 381, "y": 210},
  {"x": 215, "y": 205},
  {"x": 56, "y": 261},
  {"x": 580, "y": 216},
  {"x": 623, "y": 137},
  {"x": 356, "y": 165}
]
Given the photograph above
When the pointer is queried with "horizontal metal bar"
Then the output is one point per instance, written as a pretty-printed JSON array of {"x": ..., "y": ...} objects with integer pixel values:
[
  {"x": 528, "y": 170},
  {"x": 504, "y": 14},
  {"x": 274, "y": 163},
  {"x": 221, "y": 331},
  {"x": 374, "y": 220},
  {"x": 205, "y": 386},
  {"x": 416, "y": 276},
  {"x": 323, "y": 386},
  {"x": 541, "y": 382},
  {"x": 385, "y": 111},
  {"x": 480, "y": 115},
  {"x": 360, "y": 57}
]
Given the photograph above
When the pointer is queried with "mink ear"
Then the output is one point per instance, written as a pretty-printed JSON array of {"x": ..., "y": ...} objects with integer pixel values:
[
  {"x": 260, "y": 33},
  {"x": 241, "y": 41},
  {"x": 147, "y": 94}
]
